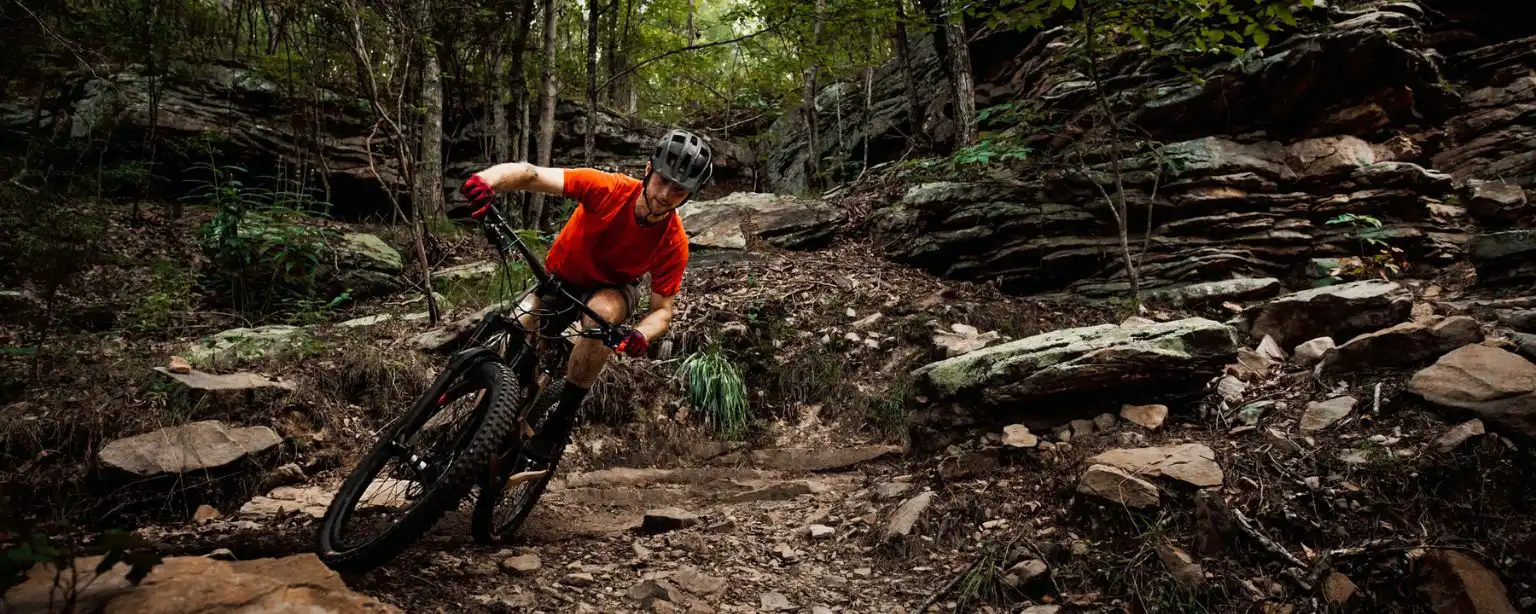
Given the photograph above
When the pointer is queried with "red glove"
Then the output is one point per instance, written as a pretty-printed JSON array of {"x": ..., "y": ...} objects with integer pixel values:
[
  {"x": 634, "y": 345},
  {"x": 477, "y": 191}
]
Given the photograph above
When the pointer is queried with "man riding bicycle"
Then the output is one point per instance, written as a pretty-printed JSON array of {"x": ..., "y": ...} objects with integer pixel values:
[{"x": 622, "y": 229}]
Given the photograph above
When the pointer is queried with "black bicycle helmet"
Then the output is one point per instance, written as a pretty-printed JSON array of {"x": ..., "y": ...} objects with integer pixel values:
[{"x": 683, "y": 158}]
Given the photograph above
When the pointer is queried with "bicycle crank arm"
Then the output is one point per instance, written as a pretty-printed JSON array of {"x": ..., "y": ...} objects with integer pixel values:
[{"x": 525, "y": 476}]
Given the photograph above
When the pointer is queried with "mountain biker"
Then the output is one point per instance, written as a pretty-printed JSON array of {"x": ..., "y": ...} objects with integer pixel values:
[{"x": 622, "y": 229}]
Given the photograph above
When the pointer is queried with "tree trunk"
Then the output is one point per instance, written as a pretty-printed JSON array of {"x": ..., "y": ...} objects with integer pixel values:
[
  {"x": 501, "y": 133},
  {"x": 808, "y": 95},
  {"x": 547, "y": 95},
  {"x": 589, "y": 141},
  {"x": 519, "y": 80},
  {"x": 429, "y": 163},
  {"x": 610, "y": 54},
  {"x": 964, "y": 86},
  {"x": 915, "y": 110}
]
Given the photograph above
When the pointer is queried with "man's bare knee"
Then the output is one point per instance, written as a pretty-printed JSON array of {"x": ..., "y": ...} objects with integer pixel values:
[{"x": 607, "y": 303}]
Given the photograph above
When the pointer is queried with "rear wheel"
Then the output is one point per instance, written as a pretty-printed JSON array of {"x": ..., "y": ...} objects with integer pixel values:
[
  {"x": 422, "y": 465},
  {"x": 501, "y": 509}
]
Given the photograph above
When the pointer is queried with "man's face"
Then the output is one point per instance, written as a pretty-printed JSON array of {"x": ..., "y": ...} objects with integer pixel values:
[{"x": 661, "y": 197}]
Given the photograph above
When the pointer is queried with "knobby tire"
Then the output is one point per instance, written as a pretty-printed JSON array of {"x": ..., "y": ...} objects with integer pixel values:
[{"x": 491, "y": 428}]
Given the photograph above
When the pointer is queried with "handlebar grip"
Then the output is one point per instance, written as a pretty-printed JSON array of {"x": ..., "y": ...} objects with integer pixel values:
[{"x": 479, "y": 213}]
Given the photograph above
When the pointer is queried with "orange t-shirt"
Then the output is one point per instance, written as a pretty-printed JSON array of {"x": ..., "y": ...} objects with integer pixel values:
[{"x": 602, "y": 245}]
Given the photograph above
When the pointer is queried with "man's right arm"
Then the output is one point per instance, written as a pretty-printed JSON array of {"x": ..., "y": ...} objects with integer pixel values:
[{"x": 523, "y": 176}]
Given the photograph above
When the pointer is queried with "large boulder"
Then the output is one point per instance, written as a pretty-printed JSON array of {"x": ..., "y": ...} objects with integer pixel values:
[
  {"x": 1340, "y": 311},
  {"x": 177, "y": 450},
  {"x": 193, "y": 584},
  {"x": 1497, "y": 386},
  {"x": 784, "y": 221},
  {"x": 1403, "y": 344},
  {"x": 1044, "y": 380},
  {"x": 1507, "y": 257}
]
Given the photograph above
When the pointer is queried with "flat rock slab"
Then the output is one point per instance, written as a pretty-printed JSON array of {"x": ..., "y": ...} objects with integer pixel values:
[
  {"x": 1217, "y": 292},
  {"x": 1056, "y": 370},
  {"x": 1116, "y": 486},
  {"x": 907, "y": 514},
  {"x": 1192, "y": 463},
  {"x": 784, "y": 221},
  {"x": 1344, "y": 310},
  {"x": 819, "y": 459},
  {"x": 1403, "y": 344},
  {"x": 197, "y": 446},
  {"x": 1496, "y": 385},
  {"x": 198, "y": 380},
  {"x": 298, "y": 583},
  {"x": 1322, "y": 415}
]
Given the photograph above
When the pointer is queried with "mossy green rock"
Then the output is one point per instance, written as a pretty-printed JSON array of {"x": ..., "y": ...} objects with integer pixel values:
[
  {"x": 1065, "y": 366},
  {"x": 241, "y": 345},
  {"x": 369, "y": 252}
]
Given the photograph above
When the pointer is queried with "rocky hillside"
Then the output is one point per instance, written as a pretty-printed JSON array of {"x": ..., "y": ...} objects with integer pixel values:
[
  {"x": 235, "y": 115},
  {"x": 1353, "y": 447},
  {"x": 1413, "y": 114}
]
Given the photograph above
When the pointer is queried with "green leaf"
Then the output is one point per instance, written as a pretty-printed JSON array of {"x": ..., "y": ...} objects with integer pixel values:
[
  {"x": 1069, "y": 4},
  {"x": 1261, "y": 38}
]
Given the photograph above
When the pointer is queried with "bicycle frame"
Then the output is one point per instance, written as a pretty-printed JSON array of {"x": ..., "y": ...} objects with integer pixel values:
[{"x": 499, "y": 233}]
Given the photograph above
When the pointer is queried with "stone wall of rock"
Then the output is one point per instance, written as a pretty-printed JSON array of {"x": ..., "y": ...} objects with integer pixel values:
[
  {"x": 252, "y": 122},
  {"x": 1394, "y": 110}
]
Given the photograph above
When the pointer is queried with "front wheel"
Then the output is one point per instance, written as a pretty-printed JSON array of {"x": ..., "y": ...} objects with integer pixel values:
[
  {"x": 422, "y": 465},
  {"x": 502, "y": 508}
]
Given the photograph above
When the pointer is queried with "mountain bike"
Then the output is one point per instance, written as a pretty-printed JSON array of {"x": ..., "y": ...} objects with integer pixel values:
[{"x": 511, "y": 378}]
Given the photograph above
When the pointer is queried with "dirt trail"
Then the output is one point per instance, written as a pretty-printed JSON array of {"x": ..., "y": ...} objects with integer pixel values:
[{"x": 751, "y": 542}]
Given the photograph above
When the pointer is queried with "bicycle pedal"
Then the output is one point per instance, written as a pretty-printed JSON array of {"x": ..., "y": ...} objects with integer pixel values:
[{"x": 525, "y": 476}]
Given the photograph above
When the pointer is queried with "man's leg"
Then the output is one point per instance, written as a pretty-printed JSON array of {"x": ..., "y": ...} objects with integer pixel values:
[{"x": 588, "y": 357}]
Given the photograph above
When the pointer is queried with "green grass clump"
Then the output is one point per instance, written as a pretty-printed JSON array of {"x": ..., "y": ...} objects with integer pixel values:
[{"x": 716, "y": 388}]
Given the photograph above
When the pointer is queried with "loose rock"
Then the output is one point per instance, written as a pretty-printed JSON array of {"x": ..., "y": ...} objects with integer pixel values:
[
  {"x": 907, "y": 515},
  {"x": 1498, "y": 386},
  {"x": 774, "y": 602},
  {"x": 667, "y": 519},
  {"x": 1337, "y": 588},
  {"x": 1312, "y": 352},
  {"x": 521, "y": 565},
  {"x": 1181, "y": 566},
  {"x": 197, "y": 446},
  {"x": 1119, "y": 487},
  {"x": 1149, "y": 417},
  {"x": 1018, "y": 436},
  {"x": 1192, "y": 463},
  {"x": 1319, "y": 416},
  {"x": 1458, "y": 435},
  {"x": 1459, "y": 584}
]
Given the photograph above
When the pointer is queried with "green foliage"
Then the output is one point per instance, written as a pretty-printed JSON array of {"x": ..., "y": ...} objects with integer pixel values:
[
  {"x": 716, "y": 388},
  {"x": 1377, "y": 257},
  {"x": 168, "y": 293},
  {"x": 1204, "y": 26},
  {"x": 262, "y": 255}
]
